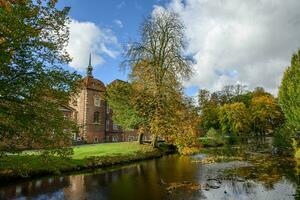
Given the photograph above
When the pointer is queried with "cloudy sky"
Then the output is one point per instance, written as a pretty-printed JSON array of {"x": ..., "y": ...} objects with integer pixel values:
[{"x": 232, "y": 41}]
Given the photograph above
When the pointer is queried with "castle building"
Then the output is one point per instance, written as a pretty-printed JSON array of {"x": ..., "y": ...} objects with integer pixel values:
[{"x": 93, "y": 115}]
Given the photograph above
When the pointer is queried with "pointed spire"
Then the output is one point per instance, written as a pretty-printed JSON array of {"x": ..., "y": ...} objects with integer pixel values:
[
  {"x": 90, "y": 68},
  {"x": 90, "y": 60}
]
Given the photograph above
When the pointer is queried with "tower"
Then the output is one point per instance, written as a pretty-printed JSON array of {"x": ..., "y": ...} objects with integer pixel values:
[{"x": 89, "y": 70}]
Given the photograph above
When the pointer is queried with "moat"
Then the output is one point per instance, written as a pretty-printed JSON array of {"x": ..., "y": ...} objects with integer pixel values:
[{"x": 241, "y": 175}]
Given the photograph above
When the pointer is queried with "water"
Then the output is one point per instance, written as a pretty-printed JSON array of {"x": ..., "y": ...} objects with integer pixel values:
[{"x": 170, "y": 177}]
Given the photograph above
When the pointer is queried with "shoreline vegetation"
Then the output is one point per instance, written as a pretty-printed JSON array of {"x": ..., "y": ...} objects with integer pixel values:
[{"x": 31, "y": 164}]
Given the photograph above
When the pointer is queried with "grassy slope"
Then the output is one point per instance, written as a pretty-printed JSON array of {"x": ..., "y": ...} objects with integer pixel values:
[{"x": 86, "y": 156}]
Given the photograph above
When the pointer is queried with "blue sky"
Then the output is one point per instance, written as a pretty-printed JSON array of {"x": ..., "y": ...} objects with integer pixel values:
[
  {"x": 232, "y": 41},
  {"x": 122, "y": 19}
]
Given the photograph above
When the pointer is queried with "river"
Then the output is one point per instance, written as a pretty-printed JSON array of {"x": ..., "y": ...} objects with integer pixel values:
[{"x": 169, "y": 177}]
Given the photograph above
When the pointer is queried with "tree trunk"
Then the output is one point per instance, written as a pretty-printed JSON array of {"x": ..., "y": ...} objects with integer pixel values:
[
  {"x": 140, "y": 139},
  {"x": 154, "y": 141}
]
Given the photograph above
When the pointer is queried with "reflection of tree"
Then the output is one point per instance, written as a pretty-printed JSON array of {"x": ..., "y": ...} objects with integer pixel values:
[
  {"x": 266, "y": 169},
  {"x": 76, "y": 189},
  {"x": 50, "y": 186},
  {"x": 238, "y": 187},
  {"x": 248, "y": 187}
]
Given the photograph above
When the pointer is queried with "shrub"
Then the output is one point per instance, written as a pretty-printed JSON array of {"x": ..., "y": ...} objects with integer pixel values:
[{"x": 212, "y": 139}]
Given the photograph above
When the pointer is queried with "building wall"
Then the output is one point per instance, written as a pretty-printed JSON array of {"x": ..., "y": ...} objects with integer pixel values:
[
  {"x": 84, "y": 105},
  {"x": 95, "y": 131}
]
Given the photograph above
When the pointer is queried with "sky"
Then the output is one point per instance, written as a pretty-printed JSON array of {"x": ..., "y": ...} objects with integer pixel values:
[{"x": 231, "y": 41}]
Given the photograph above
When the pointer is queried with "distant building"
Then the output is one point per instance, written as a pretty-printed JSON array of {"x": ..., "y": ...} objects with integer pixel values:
[{"x": 93, "y": 115}]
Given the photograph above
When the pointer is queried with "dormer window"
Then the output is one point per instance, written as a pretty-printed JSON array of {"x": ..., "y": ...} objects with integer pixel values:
[{"x": 97, "y": 100}]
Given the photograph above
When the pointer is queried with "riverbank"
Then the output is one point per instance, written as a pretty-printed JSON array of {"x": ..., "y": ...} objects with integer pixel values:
[
  {"x": 92, "y": 156},
  {"x": 236, "y": 172}
]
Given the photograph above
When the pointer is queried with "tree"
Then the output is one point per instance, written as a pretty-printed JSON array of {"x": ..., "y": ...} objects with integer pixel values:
[
  {"x": 208, "y": 104},
  {"x": 266, "y": 114},
  {"x": 158, "y": 66},
  {"x": 234, "y": 119},
  {"x": 120, "y": 95},
  {"x": 203, "y": 98},
  {"x": 33, "y": 85},
  {"x": 185, "y": 126},
  {"x": 289, "y": 94},
  {"x": 209, "y": 117}
]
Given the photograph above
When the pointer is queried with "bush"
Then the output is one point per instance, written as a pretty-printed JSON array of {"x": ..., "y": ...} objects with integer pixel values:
[
  {"x": 212, "y": 139},
  {"x": 232, "y": 139}
]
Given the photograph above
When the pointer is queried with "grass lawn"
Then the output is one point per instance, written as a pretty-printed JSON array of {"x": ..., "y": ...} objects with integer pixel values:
[
  {"x": 31, "y": 163},
  {"x": 109, "y": 149}
]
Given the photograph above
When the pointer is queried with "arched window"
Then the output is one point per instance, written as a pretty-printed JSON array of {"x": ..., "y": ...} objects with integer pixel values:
[{"x": 96, "y": 117}]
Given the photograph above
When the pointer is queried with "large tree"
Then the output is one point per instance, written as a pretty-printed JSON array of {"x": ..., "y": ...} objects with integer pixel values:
[
  {"x": 120, "y": 97},
  {"x": 158, "y": 66},
  {"x": 265, "y": 114},
  {"x": 289, "y": 94},
  {"x": 234, "y": 119},
  {"x": 33, "y": 84}
]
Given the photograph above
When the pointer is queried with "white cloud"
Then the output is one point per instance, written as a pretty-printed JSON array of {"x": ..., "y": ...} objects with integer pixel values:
[
  {"x": 86, "y": 37},
  {"x": 254, "y": 39},
  {"x": 121, "y": 5},
  {"x": 119, "y": 23}
]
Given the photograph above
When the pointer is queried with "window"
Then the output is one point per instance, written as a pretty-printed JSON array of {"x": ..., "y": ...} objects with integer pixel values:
[
  {"x": 97, "y": 100},
  {"x": 95, "y": 139},
  {"x": 107, "y": 108},
  {"x": 107, "y": 125},
  {"x": 130, "y": 138},
  {"x": 115, "y": 127},
  {"x": 96, "y": 117},
  {"x": 115, "y": 139}
]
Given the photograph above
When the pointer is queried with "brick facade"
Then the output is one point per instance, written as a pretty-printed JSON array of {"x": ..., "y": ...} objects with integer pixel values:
[{"x": 93, "y": 115}]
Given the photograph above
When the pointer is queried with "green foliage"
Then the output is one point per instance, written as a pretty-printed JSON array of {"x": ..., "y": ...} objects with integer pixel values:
[
  {"x": 119, "y": 97},
  {"x": 157, "y": 68},
  {"x": 282, "y": 140},
  {"x": 33, "y": 84},
  {"x": 266, "y": 114},
  {"x": 209, "y": 117},
  {"x": 238, "y": 112},
  {"x": 209, "y": 104},
  {"x": 289, "y": 94},
  {"x": 234, "y": 119},
  {"x": 212, "y": 139}
]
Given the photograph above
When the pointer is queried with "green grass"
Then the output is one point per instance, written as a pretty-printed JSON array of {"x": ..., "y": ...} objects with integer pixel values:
[
  {"x": 109, "y": 149},
  {"x": 31, "y": 163}
]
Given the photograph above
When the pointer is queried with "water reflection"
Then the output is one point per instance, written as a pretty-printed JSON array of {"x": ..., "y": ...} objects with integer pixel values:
[{"x": 150, "y": 180}]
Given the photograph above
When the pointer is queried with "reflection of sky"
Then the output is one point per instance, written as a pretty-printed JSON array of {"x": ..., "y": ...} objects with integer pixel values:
[
  {"x": 143, "y": 181},
  {"x": 282, "y": 190},
  {"x": 58, "y": 195}
]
